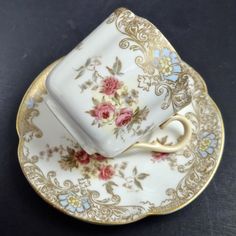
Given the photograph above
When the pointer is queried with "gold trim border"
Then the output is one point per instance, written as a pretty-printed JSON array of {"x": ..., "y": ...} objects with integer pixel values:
[{"x": 20, "y": 149}]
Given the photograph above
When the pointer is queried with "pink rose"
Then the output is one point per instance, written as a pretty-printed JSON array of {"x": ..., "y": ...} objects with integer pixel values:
[
  {"x": 110, "y": 85},
  {"x": 158, "y": 156},
  {"x": 106, "y": 172},
  {"x": 82, "y": 156},
  {"x": 124, "y": 117},
  {"x": 99, "y": 157},
  {"x": 102, "y": 111}
]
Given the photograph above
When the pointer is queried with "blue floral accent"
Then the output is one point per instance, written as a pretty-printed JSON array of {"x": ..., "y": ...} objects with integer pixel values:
[
  {"x": 207, "y": 144},
  {"x": 30, "y": 103},
  {"x": 168, "y": 64},
  {"x": 73, "y": 203}
]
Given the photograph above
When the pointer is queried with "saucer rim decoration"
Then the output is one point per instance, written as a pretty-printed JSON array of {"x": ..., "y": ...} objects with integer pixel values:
[{"x": 25, "y": 125}]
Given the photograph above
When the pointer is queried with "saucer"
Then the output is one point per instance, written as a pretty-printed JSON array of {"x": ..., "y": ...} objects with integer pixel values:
[{"x": 123, "y": 189}]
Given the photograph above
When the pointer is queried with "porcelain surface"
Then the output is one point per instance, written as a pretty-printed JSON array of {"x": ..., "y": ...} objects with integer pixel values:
[
  {"x": 119, "y": 190},
  {"x": 119, "y": 83}
]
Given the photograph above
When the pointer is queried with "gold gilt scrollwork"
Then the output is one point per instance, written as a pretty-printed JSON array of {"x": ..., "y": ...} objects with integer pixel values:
[{"x": 143, "y": 37}]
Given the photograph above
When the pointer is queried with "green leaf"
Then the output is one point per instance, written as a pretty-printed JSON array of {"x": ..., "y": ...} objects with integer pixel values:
[
  {"x": 95, "y": 101},
  {"x": 80, "y": 73},
  {"x": 164, "y": 139},
  {"x": 89, "y": 82},
  {"x": 110, "y": 70},
  {"x": 117, "y": 66},
  {"x": 95, "y": 87},
  {"x": 80, "y": 68},
  {"x": 114, "y": 100},
  {"x": 140, "y": 115},
  {"x": 129, "y": 126},
  {"x": 138, "y": 184},
  {"x": 70, "y": 151},
  {"x": 83, "y": 87},
  {"x": 145, "y": 112},
  {"x": 109, "y": 187},
  {"x": 121, "y": 174},
  {"x": 142, "y": 176},
  {"x": 123, "y": 165},
  {"x": 95, "y": 76},
  {"x": 136, "y": 112},
  {"x": 135, "y": 171},
  {"x": 116, "y": 132},
  {"x": 88, "y": 62},
  {"x": 139, "y": 132},
  {"x": 116, "y": 95}
]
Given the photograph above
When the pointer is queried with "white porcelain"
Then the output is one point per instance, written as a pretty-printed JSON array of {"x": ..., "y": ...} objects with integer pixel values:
[
  {"x": 117, "y": 190},
  {"x": 119, "y": 83}
]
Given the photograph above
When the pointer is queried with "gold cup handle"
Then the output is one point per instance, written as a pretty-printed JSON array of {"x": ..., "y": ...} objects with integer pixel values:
[{"x": 157, "y": 147}]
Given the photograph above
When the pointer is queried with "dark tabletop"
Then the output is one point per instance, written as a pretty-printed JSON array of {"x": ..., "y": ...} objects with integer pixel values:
[{"x": 35, "y": 33}]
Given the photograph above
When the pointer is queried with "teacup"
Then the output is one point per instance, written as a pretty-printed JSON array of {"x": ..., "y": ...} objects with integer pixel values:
[{"x": 119, "y": 83}]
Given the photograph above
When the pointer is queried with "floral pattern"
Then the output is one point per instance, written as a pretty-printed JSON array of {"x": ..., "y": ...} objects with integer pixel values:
[
  {"x": 110, "y": 85},
  {"x": 73, "y": 203},
  {"x": 93, "y": 166},
  {"x": 115, "y": 104},
  {"x": 167, "y": 63},
  {"x": 159, "y": 156},
  {"x": 106, "y": 172},
  {"x": 74, "y": 157},
  {"x": 82, "y": 157},
  {"x": 30, "y": 103},
  {"x": 207, "y": 145},
  {"x": 102, "y": 111},
  {"x": 124, "y": 117}
]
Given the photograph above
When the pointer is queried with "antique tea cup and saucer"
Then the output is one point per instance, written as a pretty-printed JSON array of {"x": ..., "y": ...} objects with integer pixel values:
[{"x": 94, "y": 124}]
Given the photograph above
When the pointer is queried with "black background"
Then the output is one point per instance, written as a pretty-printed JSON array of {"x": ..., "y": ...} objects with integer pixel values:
[{"x": 35, "y": 33}]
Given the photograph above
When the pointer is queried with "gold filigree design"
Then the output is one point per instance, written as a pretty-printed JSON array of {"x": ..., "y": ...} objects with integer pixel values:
[
  {"x": 142, "y": 36},
  {"x": 98, "y": 210},
  {"x": 29, "y": 111},
  {"x": 199, "y": 171}
]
